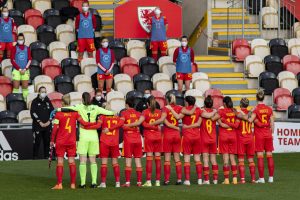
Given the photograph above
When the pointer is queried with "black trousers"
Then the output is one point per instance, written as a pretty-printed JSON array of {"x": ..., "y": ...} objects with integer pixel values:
[{"x": 38, "y": 136}]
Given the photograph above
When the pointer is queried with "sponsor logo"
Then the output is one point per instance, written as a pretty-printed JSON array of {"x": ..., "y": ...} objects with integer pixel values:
[
  {"x": 6, "y": 152},
  {"x": 144, "y": 15}
]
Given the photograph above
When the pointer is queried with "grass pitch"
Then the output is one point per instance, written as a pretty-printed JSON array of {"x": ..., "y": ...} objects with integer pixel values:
[{"x": 33, "y": 180}]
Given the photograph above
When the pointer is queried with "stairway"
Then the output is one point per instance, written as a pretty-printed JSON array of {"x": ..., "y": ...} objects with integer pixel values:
[{"x": 222, "y": 75}]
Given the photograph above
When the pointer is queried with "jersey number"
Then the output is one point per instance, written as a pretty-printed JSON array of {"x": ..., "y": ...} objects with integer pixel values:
[
  {"x": 246, "y": 127},
  {"x": 151, "y": 121},
  {"x": 115, "y": 122},
  {"x": 209, "y": 126},
  {"x": 67, "y": 126},
  {"x": 264, "y": 119},
  {"x": 232, "y": 121},
  {"x": 193, "y": 118},
  {"x": 173, "y": 119}
]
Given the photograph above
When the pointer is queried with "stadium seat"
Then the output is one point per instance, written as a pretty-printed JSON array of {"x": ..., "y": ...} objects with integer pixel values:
[
  {"x": 35, "y": 69},
  {"x": 287, "y": 80},
  {"x": 56, "y": 99},
  {"x": 59, "y": 4},
  {"x": 39, "y": 51},
  {"x": 200, "y": 81},
  {"x": 114, "y": 95},
  {"x": 198, "y": 94},
  {"x": 116, "y": 69},
  {"x": 162, "y": 82},
  {"x": 52, "y": 17},
  {"x": 115, "y": 101},
  {"x": 254, "y": 66},
  {"x": 22, "y": 5},
  {"x": 123, "y": 83},
  {"x": 28, "y": 32},
  {"x": 34, "y": 18},
  {"x": 142, "y": 82},
  {"x": 291, "y": 63},
  {"x": 51, "y": 67},
  {"x": 26, "y": 28},
  {"x": 76, "y": 98},
  {"x": 8, "y": 117},
  {"x": 268, "y": 81},
  {"x": 63, "y": 84},
  {"x": 260, "y": 48},
  {"x": 98, "y": 19},
  {"x": 46, "y": 34},
  {"x": 173, "y": 44},
  {"x": 58, "y": 51},
  {"x": 6, "y": 68},
  {"x": 296, "y": 95},
  {"x": 65, "y": 33},
  {"x": 240, "y": 49},
  {"x": 217, "y": 97},
  {"x": 137, "y": 95},
  {"x": 272, "y": 3},
  {"x": 30, "y": 98},
  {"x": 83, "y": 83},
  {"x": 127, "y": 61},
  {"x": 43, "y": 80},
  {"x": 136, "y": 49},
  {"x": 9, "y": 4},
  {"x": 119, "y": 49},
  {"x": 294, "y": 46},
  {"x": 68, "y": 13},
  {"x": 17, "y": 16},
  {"x": 88, "y": 66},
  {"x": 70, "y": 67},
  {"x": 269, "y": 17},
  {"x": 293, "y": 112},
  {"x": 41, "y": 5},
  {"x": 77, "y": 4},
  {"x": 24, "y": 117},
  {"x": 129, "y": 66},
  {"x": 282, "y": 99},
  {"x": 166, "y": 65},
  {"x": 273, "y": 64},
  {"x": 2, "y": 103},
  {"x": 15, "y": 102},
  {"x": 179, "y": 96},
  {"x": 159, "y": 97},
  {"x": 148, "y": 66},
  {"x": 121, "y": 77},
  {"x": 278, "y": 47}
]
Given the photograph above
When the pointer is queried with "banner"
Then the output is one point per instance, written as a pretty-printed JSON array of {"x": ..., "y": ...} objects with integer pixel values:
[
  {"x": 132, "y": 18},
  {"x": 286, "y": 137}
]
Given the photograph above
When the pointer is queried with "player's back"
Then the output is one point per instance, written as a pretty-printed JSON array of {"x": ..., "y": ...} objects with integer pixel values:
[
  {"x": 111, "y": 138},
  {"x": 208, "y": 128},
  {"x": 191, "y": 119},
  {"x": 150, "y": 118},
  {"x": 228, "y": 115},
  {"x": 130, "y": 116},
  {"x": 170, "y": 118},
  {"x": 263, "y": 114},
  {"x": 245, "y": 127},
  {"x": 66, "y": 126}
]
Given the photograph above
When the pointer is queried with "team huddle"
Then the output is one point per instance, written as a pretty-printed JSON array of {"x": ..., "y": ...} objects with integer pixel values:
[{"x": 162, "y": 135}]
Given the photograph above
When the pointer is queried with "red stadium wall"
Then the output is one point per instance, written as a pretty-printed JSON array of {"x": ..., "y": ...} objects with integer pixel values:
[
  {"x": 127, "y": 23},
  {"x": 295, "y": 3}
]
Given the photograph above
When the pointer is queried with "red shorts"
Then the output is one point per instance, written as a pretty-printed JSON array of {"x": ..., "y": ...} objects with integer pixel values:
[
  {"x": 5, "y": 46},
  {"x": 132, "y": 149},
  {"x": 86, "y": 44},
  {"x": 184, "y": 77},
  {"x": 163, "y": 46},
  {"x": 172, "y": 144},
  {"x": 60, "y": 150},
  {"x": 107, "y": 151},
  {"x": 210, "y": 148},
  {"x": 191, "y": 146},
  {"x": 246, "y": 146},
  {"x": 153, "y": 145},
  {"x": 227, "y": 145},
  {"x": 104, "y": 77},
  {"x": 263, "y": 144}
]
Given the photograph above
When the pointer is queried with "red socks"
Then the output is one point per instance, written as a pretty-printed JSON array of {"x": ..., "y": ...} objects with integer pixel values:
[
  {"x": 270, "y": 165},
  {"x": 199, "y": 170},
  {"x": 127, "y": 174},
  {"x": 167, "y": 170},
  {"x": 72, "y": 168},
  {"x": 260, "y": 166},
  {"x": 103, "y": 173},
  {"x": 206, "y": 173},
  {"x": 139, "y": 174},
  {"x": 215, "y": 170},
  {"x": 252, "y": 170},
  {"x": 234, "y": 171},
  {"x": 187, "y": 170},
  {"x": 149, "y": 167},
  {"x": 158, "y": 167},
  {"x": 226, "y": 170},
  {"x": 242, "y": 169},
  {"x": 116, "y": 169},
  {"x": 178, "y": 170},
  {"x": 59, "y": 173}
]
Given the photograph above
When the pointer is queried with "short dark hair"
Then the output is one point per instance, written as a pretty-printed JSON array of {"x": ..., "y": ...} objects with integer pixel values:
[
  {"x": 86, "y": 98},
  {"x": 228, "y": 102},
  {"x": 21, "y": 35},
  {"x": 4, "y": 7},
  {"x": 190, "y": 100},
  {"x": 208, "y": 102},
  {"x": 130, "y": 102},
  {"x": 184, "y": 37},
  {"x": 42, "y": 87}
]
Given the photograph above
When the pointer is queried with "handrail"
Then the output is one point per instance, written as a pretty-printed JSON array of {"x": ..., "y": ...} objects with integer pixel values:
[{"x": 197, "y": 32}]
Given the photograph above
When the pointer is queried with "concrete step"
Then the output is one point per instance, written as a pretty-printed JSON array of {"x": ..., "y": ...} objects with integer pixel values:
[
  {"x": 235, "y": 26},
  {"x": 209, "y": 68},
  {"x": 239, "y": 92},
  {"x": 225, "y": 75},
  {"x": 230, "y": 84},
  {"x": 226, "y": 10},
  {"x": 218, "y": 51},
  {"x": 231, "y": 19},
  {"x": 236, "y": 34},
  {"x": 213, "y": 58}
]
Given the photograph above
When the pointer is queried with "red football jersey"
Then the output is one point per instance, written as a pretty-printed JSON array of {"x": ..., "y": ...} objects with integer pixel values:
[
  {"x": 151, "y": 132},
  {"x": 263, "y": 114},
  {"x": 66, "y": 133},
  {"x": 245, "y": 128},
  {"x": 228, "y": 115},
  {"x": 113, "y": 123},
  {"x": 131, "y": 134},
  {"x": 189, "y": 120},
  {"x": 170, "y": 117},
  {"x": 208, "y": 129}
]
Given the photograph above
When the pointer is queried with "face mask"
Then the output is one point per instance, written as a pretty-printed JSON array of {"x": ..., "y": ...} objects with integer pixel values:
[
  {"x": 105, "y": 44},
  {"x": 85, "y": 8},
  {"x": 5, "y": 14},
  {"x": 157, "y": 12},
  {"x": 184, "y": 44},
  {"x": 98, "y": 98},
  {"x": 147, "y": 96},
  {"x": 20, "y": 42},
  {"x": 43, "y": 95}
]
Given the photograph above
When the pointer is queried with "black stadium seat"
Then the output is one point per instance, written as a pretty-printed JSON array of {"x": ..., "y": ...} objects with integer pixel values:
[
  {"x": 17, "y": 16},
  {"x": 273, "y": 64},
  {"x": 296, "y": 95},
  {"x": 174, "y": 79},
  {"x": 116, "y": 69},
  {"x": 68, "y": 13},
  {"x": 52, "y": 17},
  {"x": 8, "y": 117},
  {"x": 137, "y": 95},
  {"x": 63, "y": 84},
  {"x": 95, "y": 82},
  {"x": 278, "y": 47},
  {"x": 39, "y": 51},
  {"x": 148, "y": 66},
  {"x": 179, "y": 96},
  {"x": 142, "y": 82},
  {"x": 72, "y": 47},
  {"x": 70, "y": 67},
  {"x": 35, "y": 69},
  {"x": 268, "y": 81},
  {"x": 15, "y": 103},
  {"x": 98, "y": 19},
  {"x": 294, "y": 111},
  {"x": 59, "y": 4},
  {"x": 22, "y": 5},
  {"x": 119, "y": 49},
  {"x": 46, "y": 34},
  {"x": 298, "y": 78}
]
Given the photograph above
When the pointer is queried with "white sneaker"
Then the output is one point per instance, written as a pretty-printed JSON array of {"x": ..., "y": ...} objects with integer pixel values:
[
  {"x": 206, "y": 183},
  {"x": 157, "y": 183},
  {"x": 199, "y": 181},
  {"x": 186, "y": 182},
  {"x": 215, "y": 182},
  {"x": 102, "y": 185},
  {"x": 118, "y": 184},
  {"x": 260, "y": 180},
  {"x": 147, "y": 184},
  {"x": 271, "y": 180}
]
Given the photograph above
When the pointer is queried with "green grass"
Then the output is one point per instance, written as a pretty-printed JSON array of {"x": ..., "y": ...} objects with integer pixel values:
[{"x": 33, "y": 180}]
